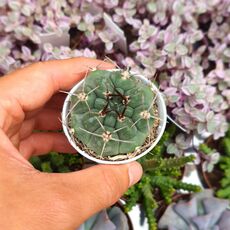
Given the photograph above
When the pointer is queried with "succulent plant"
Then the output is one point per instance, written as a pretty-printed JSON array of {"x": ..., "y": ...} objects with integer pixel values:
[
  {"x": 224, "y": 164},
  {"x": 57, "y": 162},
  {"x": 160, "y": 179},
  {"x": 191, "y": 52},
  {"x": 202, "y": 212},
  {"x": 210, "y": 157},
  {"x": 108, "y": 219},
  {"x": 113, "y": 114}
]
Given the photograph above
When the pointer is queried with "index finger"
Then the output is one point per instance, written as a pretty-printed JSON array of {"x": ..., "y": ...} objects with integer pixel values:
[{"x": 34, "y": 85}]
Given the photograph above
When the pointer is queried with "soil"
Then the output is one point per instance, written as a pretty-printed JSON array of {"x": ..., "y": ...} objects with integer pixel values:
[{"x": 146, "y": 145}]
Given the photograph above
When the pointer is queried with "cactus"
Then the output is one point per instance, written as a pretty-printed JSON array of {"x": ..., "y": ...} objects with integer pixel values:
[
  {"x": 112, "y": 114},
  {"x": 202, "y": 212}
]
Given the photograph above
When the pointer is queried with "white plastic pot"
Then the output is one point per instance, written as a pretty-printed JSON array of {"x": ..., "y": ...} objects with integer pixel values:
[{"x": 161, "y": 127}]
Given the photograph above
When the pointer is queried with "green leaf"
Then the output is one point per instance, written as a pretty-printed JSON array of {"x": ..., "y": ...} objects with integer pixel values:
[
  {"x": 36, "y": 162},
  {"x": 181, "y": 49},
  {"x": 170, "y": 47},
  {"x": 151, "y": 7},
  {"x": 46, "y": 167},
  {"x": 56, "y": 159},
  {"x": 63, "y": 169}
]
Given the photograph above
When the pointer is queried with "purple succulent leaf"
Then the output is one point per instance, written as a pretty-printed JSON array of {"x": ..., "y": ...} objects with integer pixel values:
[
  {"x": 216, "y": 227},
  {"x": 186, "y": 210},
  {"x": 170, "y": 47},
  {"x": 204, "y": 222},
  {"x": 176, "y": 78},
  {"x": 88, "y": 53},
  {"x": 226, "y": 93},
  {"x": 201, "y": 127},
  {"x": 224, "y": 221},
  {"x": 171, "y": 94},
  {"x": 181, "y": 50},
  {"x": 136, "y": 23},
  {"x": 3, "y": 3},
  {"x": 99, "y": 221},
  {"x": 183, "y": 141},
  {"x": 177, "y": 23},
  {"x": 119, "y": 219},
  {"x": 207, "y": 166},
  {"x": 171, "y": 219},
  {"x": 128, "y": 62},
  {"x": 111, "y": 3},
  {"x": 172, "y": 149},
  {"x": 216, "y": 205},
  {"x": 146, "y": 31}
]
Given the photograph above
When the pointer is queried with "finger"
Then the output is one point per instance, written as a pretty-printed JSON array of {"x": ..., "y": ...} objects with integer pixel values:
[
  {"x": 46, "y": 120},
  {"x": 26, "y": 129},
  {"x": 56, "y": 102},
  {"x": 99, "y": 187},
  {"x": 42, "y": 143},
  {"x": 34, "y": 85}
]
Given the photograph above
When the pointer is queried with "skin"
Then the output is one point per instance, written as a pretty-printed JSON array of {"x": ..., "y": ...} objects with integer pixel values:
[{"x": 29, "y": 199}]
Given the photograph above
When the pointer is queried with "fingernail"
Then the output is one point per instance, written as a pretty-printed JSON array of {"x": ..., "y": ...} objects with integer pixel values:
[{"x": 135, "y": 173}]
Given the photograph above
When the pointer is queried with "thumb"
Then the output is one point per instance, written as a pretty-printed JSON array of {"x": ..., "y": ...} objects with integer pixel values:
[{"x": 91, "y": 190}]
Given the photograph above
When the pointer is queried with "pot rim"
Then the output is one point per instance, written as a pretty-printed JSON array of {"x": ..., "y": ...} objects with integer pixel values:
[{"x": 160, "y": 129}]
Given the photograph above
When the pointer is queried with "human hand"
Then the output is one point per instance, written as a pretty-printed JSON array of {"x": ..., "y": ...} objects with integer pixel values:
[{"x": 29, "y": 199}]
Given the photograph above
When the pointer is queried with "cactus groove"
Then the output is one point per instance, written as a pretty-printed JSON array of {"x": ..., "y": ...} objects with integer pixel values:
[{"x": 112, "y": 113}]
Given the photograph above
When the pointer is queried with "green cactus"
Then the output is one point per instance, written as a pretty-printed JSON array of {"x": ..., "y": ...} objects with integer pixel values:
[{"x": 112, "y": 113}]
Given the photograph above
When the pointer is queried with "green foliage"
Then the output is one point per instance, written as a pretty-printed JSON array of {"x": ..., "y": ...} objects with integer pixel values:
[
  {"x": 57, "y": 162},
  {"x": 112, "y": 113},
  {"x": 160, "y": 148},
  {"x": 46, "y": 167},
  {"x": 210, "y": 157},
  {"x": 169, "y": 166},
  {"x": 224, "y": 165},
  {"x": 205, "y": 149},
  {"x": 225, "y": 143},
  {"x": 160, "y": 174},
  {"x": 133, "y": 195},
  {"x": 149, "y": 202}
]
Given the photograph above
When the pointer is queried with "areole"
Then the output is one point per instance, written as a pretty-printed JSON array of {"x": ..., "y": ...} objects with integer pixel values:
[{"x": 161, "y": 107}]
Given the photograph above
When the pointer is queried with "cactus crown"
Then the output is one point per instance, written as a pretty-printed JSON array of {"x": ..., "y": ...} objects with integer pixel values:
[{"x": 112, "y": 114}]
